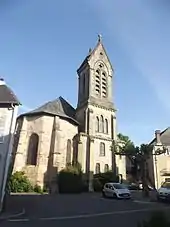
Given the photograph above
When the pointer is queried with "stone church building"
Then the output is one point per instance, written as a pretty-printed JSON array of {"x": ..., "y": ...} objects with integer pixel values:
[{"x": 56, "y": 133}]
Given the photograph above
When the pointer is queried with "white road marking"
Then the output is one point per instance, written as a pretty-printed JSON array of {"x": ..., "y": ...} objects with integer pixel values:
[
  {"x": 14, "y": 215},
  {"x": 19, "y": 220},
  {"x": 89, "y": 215},
  {"x": 144, "y": 202}
]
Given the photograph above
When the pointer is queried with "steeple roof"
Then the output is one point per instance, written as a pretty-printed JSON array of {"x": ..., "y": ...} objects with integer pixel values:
[{"x": 91, "y": 53}]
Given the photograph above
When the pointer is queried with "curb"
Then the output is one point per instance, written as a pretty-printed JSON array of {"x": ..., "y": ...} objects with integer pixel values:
[{"x": 6, "y": 217}]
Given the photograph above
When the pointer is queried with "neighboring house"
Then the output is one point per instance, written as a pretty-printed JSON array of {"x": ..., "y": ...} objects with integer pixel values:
[
  {"x": 55, "y": 134},
  {"x": 8, "y": 114},
  {"x": 159, "y": 165}
]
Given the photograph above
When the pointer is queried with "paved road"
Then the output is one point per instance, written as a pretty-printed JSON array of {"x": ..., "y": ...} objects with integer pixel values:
[{"x": 76, "y": 210}]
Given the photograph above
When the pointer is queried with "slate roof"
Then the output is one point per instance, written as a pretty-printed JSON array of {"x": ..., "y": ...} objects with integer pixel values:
[
  {"x": 58, "y": 107},
  {"x": 165, "y": 137},
  {"x": 7, "y": 95}
]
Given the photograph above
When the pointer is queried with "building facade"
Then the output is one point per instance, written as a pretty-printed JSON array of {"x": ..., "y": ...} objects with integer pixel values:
[
  {"x": 159, "y": 164},
  {"x": 8, "y": 115},
  {"x": 55, "y": 134}
]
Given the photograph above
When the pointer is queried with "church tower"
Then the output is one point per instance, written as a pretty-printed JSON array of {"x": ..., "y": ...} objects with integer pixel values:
[
  {"x": 95, "y": 109},
  {"x": 95, "y": 92}
]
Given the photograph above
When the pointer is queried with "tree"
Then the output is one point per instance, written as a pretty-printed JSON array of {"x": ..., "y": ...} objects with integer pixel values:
[
  {"x": 138, "y": 156},
  {"x": 130, "y": 151}
]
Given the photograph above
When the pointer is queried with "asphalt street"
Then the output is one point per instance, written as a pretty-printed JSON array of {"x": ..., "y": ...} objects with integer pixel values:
[{"x": 84, "y": 209}]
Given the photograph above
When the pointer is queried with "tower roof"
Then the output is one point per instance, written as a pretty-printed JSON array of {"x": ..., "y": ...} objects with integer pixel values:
[
  {"x": 92, "y": 51},
  {"x": 58, "y": 107},
  {"x": 7, "y": 96}
]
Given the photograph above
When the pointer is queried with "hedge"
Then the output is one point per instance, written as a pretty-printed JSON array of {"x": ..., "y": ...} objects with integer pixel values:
[
  {"x": 103, "y": 178},
  {"x": 70, "y": 180}
]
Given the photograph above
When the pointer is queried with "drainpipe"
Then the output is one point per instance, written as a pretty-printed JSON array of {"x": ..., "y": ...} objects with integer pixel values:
[
  {"x": 6, "y": 165},
  {"x": 156, "y": 170}
]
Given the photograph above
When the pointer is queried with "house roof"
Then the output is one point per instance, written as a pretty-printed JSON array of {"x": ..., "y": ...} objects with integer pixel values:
[
  {"x": 164, "y": 137},
  {"x": 91, "y": 52},
  {"x": 7, "y": 96},
  {"x": 58, "y": 107}
]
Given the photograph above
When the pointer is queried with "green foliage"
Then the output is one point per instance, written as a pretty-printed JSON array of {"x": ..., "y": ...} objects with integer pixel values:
[
  {"x": 103, "y": 178},
  {"x": 124, "y": 138},
  {"x": 38, "y": 189},
  {"x": 70, "y": 179},
  {"x": 158, "y": 219},
  {"x": 19, "y": 183}
]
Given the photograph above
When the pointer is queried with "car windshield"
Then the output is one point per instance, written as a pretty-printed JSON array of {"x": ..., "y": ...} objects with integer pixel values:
[
  {"x": 119, "y": 186},
  {"x": 166, "y": 185}
]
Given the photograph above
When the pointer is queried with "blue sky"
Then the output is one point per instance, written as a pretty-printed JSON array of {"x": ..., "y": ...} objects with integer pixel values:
[{"x": 42, "y": 43}]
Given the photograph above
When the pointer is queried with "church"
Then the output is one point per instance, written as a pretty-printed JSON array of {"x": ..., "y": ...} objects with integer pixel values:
[{"x": 55, "y": 134}]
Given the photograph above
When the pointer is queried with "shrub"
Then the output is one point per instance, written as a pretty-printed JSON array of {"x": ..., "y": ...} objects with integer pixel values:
[
  {"x": 104, "y": 178},
  {"x": 158, "y": 219},
  {"x": 18, "y": 182},
  {"x": 38, "y": 189},
  {"x": 70, "y": 180}
]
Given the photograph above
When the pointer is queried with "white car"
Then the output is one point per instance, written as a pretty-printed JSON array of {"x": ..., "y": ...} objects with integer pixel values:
[
  {"x": 116, "y": 190},
  {"x": 164, "y": 192}
]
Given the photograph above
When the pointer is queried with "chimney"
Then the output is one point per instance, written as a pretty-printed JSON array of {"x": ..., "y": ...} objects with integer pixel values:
[
  {"x": 2, "y": 82},
  {"x": 158, "y": 136}
]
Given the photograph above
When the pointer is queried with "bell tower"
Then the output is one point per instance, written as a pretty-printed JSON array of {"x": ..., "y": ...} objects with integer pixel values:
[{"x": 95, "y": 83}]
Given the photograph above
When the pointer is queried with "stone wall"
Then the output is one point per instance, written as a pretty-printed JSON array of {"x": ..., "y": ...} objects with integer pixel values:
[{"x": 51, "y": 149}]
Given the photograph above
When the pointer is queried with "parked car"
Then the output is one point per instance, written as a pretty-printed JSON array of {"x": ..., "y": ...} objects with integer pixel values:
[
  {"x": 116, "y": 190},
  {"x": 149, "y": 187},
  {"x": 132, "y": 186},
  {"x": 163, "y": 193}
]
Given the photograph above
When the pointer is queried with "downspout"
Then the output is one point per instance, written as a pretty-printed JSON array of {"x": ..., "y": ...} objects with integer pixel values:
[{"x": 5, "y": 169}]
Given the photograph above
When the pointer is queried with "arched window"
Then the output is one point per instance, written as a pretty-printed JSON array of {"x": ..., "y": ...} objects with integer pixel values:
[
  {"x": 32, "y": 150},
  {"x": 106, "y": 126},
  {"x": 104, "y": 85},
  {"x": 102, "y": 123},
  {"x": 106, "y": 168},
  {"x": 97, "y": 124},
  {"x": 102, "y": 149},
  {"x": 97, "y": 168},
  {"x": 68, "y": 152},
  {"x": 97, "y": 82}
]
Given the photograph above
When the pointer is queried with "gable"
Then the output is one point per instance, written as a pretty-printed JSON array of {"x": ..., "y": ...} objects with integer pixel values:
[{"x": 98, "y": 53}]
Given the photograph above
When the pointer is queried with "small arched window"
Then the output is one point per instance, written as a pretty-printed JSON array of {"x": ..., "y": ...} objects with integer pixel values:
[
  {"x": 106, "y": 168},
  {"x": 102, "y": 124},
  {"x": 33, "y": 150},
  {"x": 97, "y": 124},
  {"x": 106, "y": 126},
  {"x": 97, "y": 168},
  {"x": 68, "y": 154},
  {"x": 102, "y": 149}
]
